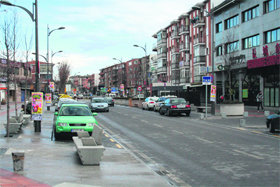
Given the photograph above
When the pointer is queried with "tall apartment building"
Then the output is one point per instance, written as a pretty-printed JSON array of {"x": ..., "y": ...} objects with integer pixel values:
[{"x": 247, "y": 38}]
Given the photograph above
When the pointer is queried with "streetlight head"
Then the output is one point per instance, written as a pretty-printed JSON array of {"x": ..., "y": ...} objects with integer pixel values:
[
  {"x": 114, "y": 59},
  {"x": 60, "y": 51},
  {"x": 3, "y": 2},
  {"x": 136, "y": 45},
  {"x": 60, "y": 28},
  {"x": 33, "y": 53}
]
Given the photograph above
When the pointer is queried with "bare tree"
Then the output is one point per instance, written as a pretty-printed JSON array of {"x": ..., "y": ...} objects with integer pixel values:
[
  {"x": 228, "y": 55},
  {"x": 7, "y": 55},
  {"x": 64, "y": 73},
  {"x": 26, "y": 67}
]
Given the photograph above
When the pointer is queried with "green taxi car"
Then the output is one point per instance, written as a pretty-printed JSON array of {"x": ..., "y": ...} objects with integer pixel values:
[{"x": 72, "y": 118}]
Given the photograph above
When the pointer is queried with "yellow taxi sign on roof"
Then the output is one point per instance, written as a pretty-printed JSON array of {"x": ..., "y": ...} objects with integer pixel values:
[{"x": 64, "y": 96}]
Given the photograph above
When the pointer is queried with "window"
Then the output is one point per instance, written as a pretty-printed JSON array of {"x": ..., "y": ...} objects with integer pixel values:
[
  {"x": 218, "y": 27},
  {"x": 251, "y": 41},
  {"x": 271, "y": 5},
  {"x": 250, "y": 14},
  {"x": 219, "y": 51},
  {"x": 233, "y": 46},
  {"x": 231, "y": 22},
  {"x": 272, "y": 36}
]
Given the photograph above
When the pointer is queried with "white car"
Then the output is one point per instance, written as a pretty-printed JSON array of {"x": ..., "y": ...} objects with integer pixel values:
[
  {"x": 99, "y": 104},
  {"x": 149, "y": 103}
]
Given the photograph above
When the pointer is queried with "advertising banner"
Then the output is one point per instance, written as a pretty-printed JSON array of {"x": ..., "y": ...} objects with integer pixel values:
[
  {"x": 52, "y": 86},
  {"x": 48, "y": 98},
  {"x": 213, "y": 93},
  {"x": 37, "y": 106}
]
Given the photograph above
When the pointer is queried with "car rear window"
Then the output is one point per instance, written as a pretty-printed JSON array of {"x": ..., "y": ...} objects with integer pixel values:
[
  {"x": 178, "y": 101},
  {"x": 98, "y": 100},
  {"x": 75, "y": 111}
]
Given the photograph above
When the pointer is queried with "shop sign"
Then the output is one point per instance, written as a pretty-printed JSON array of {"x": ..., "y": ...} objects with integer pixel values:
[
  {"x": 48, "y": 98},
  {"x": 263, "y": 62},
  {"x": 37, "y": 106},
  {"x": 238, "y": 60}
]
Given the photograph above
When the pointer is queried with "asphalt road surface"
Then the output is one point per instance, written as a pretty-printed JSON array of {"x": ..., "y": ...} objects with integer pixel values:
[{"x": 190, "y": 151}]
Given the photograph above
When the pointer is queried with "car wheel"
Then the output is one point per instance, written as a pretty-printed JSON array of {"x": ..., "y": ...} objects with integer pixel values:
[
  {"x": 56, "y": 135},
  {"x": 167, "y": 113},
  {"x": 271, "y": 128},
  {"x": 107, "y": 110},
  {"x": 160, "y": 111}
]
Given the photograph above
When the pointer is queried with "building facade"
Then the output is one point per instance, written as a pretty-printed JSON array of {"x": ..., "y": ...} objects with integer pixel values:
[{"x": 247, "y": 37}]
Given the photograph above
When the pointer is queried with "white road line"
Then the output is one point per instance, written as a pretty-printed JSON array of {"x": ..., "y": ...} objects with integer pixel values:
[
  {"x": 157, "y": 125},
  {"x": 248, "y": 154},
  {"x": 144, "y": 121},
  {"x": 203, "y": 140},
  {"x": 178, "y": 132}
]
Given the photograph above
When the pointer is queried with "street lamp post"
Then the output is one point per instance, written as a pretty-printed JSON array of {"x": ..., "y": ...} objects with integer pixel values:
[
  {"x": 48, "y": 36},
  {"x": 34, "y": 17},
  {"x": 52, "y": 62}
]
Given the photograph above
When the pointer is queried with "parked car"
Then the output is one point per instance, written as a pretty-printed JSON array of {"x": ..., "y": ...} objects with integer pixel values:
[
  {"x": 72, "y": 118},
  {"x": 80, "y": 96},
  {"x": 161, "y": 100},
  {"x": 175, "y": 106},
  {"x": 149, "y": 103},
  {"x": 99, "y": 104},
  {"x": 63, "y": 101},
  {"x": 272, "y": 122},
  {"x": 110, "y": 101}
]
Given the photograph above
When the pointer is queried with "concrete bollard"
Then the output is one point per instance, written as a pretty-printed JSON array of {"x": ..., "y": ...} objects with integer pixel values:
[
  {"x": 245, "y": 114},
  {"x": 242, "y": 122},
  {"x": 266, "y": 113},
  {"x": 18, "y": 160},
  {"x": 223, "y": 114},
  {"x": 201, "y": 116}
]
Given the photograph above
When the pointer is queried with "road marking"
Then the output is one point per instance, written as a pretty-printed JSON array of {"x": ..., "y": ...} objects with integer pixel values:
[
  {"x": 248, "y": 154},
  {"x": 119, "y": 146},
  {"x": 144, "y": 121},
  {"x": 240, "y": 128},
  {"x": 125, "y": 114},
  {"x": 106, "y": 135},
  {"x": 178, "y": 132},
  {"x": 204, "y": 140},
  {"x": 258, "y": 132},
  {"x": 157, "y": 125},
  {"x": 112, "y": 140}
]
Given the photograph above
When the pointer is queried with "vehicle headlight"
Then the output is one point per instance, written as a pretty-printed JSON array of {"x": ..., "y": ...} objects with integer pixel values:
[
  {"x": 62, "y": 124},
  {"x": 91, "y": 124}
]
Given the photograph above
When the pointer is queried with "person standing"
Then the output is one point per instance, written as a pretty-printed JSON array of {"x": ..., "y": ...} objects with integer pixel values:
[{"x": 260, "y": 100}]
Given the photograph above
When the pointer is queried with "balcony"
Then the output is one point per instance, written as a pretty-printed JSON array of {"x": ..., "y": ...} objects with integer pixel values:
[
  {"x": 162, "y": 42},
  {"x": 183, "y": 47},
  {"x": 175, "y": 34},
  {"x": 199, "y": 23},
  {"x": 175, "y": 66},
  {"x": 183, "y": 30},
  {"x": 199, "y": 60},
  {"x": 174, "y": 51},
  {"x": 197, "y": 79},
  {"x": 161, "y": 70},
  {"x": 161, "y": 55},
  {"x": 199, "y": 41}
]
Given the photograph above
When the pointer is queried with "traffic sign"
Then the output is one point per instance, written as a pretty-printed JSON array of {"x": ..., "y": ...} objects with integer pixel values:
[
  {"x": 206, "y": 80},
  {"x": 139, "y": 88}
]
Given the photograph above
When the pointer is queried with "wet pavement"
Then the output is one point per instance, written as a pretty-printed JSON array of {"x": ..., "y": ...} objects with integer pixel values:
[{"x": 56, "y": 163}]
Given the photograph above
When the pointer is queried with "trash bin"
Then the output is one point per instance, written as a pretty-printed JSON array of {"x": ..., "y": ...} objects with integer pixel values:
[{"x": 18, "y": 160}]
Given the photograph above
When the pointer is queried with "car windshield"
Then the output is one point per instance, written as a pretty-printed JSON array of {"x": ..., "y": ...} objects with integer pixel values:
[
  {"x": 109, "y": 98},
  {"x": 178, "y": 101},
  {"x": 153, "y": 98},
  {"x": 98, "y": 100},
  {"x": 75, "y": 111}
]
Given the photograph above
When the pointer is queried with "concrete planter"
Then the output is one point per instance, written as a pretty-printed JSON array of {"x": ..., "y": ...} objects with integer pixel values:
[{"x": 232, "y": 109}]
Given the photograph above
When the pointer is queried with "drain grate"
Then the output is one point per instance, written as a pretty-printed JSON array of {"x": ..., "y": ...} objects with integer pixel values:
[{"x": 3, "y": 150}]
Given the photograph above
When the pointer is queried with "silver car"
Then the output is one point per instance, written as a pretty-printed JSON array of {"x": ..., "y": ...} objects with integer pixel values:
[{"x": 99, "y": 104}]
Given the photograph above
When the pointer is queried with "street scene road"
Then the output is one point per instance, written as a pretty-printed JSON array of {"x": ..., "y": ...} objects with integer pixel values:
[{"x": 195, "y": 152}]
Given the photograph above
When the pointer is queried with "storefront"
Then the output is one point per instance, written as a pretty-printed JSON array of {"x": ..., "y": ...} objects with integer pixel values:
[{"x": 267, "y": 68}]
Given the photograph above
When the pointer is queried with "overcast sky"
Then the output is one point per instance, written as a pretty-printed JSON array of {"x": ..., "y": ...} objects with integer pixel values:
[{"x": 96, "y": 30}]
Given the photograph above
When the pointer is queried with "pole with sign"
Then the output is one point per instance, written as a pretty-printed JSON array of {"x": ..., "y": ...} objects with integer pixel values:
[
  {"x": 48, "y": 99},
  {"x": 213, "y": 93},
  {"x": 37, "y": 109},
  {"x": 206, "y": 80}
]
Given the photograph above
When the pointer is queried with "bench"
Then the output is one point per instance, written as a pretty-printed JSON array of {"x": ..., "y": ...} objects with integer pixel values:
[
  {"x": 90, "y": 148},
  {"x": 203, "y": 109}
]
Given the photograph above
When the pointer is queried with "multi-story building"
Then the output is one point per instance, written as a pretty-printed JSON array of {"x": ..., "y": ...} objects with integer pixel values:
[
  {"x": 20, "y": 80},
  {"x": 247, "y": 57}
]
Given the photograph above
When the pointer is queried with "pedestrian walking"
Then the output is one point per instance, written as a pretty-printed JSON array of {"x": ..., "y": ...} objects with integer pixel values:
[{"x": 260, "y": 100}]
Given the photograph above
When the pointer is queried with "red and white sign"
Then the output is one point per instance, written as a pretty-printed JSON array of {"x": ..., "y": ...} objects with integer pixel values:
[{"x": 139, "y": 88}]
